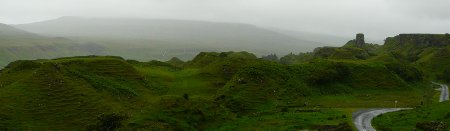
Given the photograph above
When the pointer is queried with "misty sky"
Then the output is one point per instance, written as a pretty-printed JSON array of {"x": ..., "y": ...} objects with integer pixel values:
[{"x": 376, "y": 18}]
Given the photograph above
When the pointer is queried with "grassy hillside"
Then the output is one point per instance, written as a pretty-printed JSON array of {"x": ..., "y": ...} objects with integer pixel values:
[
  {"x": 229, "y": 90},
  {"x": 429, "y": 52},
  {"x": 259, "y": 84},
  {"x": 73, "y": 93},
  {"x": 214, "y": 91},
  {"x": 436, "y": 117},
  {"x": 66, "y": 94}
]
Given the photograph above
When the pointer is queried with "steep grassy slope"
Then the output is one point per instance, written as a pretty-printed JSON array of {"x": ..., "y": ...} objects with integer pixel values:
[
  {"x": 267, "y": 85},
  {"x": 260, "y": 92},
  {"x": 68, "y": 94},
  {"x": 221, "y": 67},
  {"x": 72, "y": 93},
  {"x": 436, "y": 63},
  {"x": 428, "y": 52},
  {"x": 214, "y": 91}
]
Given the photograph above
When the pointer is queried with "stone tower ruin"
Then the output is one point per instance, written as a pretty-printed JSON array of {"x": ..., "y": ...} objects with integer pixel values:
[{"x": 360, "y": 40}]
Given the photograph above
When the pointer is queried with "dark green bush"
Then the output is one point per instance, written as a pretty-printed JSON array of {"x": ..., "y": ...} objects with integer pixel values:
[
  {"x": 405, "y": 71},
  {"x": 432, "y": 125},
  {"x": 344, "y": 127},
  {"x": 186, "y": 96},
  {"x": 447, "y": 116},
  {"x": 444, "y": 76},
  {"x": 333, "y": 73},
  {"x": 107, "y": 122}
]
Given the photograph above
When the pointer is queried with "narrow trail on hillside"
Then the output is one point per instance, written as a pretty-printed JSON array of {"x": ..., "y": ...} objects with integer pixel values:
[
  {"x": 363, "y": 118},
  {"x": 444, "y": 92}
]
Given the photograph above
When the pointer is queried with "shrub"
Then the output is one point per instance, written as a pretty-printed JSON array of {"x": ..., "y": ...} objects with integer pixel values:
[
  {"x": 405, "y": 71},
  {"x": 109, "y": 122},
  {"x": 186, "y": 96},
  {"x": 271, "y": 57},
  {"x": 432, "y": 125},
  {"x": 284, "y": 109},
  {"x": 344, "y": 127},
  {"x": 341, "y": 127},
  {"x": 447, "y": 116},
  {"x": 444, "y": 76},
  {"x": 384, "y": 129},
  {"x": 329, "y": 74}
]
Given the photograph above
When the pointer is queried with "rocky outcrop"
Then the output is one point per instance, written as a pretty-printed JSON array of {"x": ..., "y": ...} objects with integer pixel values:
[
  {"x": 360, "y": 40},
  {"x": 419, "y": 40}
]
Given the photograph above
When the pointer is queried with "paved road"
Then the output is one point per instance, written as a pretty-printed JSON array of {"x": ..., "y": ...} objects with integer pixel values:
[
  {"x": 444, "y": 92},
  {"x": 363, "y": 119}
]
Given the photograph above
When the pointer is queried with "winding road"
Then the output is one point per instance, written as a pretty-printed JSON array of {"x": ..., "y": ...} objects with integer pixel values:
[
  {"x": 444, "y": 92},
  {"x": 363, "y": 118}
]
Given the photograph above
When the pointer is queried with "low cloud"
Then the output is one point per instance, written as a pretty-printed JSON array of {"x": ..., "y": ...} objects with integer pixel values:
[{"x": 376, "y": 18}]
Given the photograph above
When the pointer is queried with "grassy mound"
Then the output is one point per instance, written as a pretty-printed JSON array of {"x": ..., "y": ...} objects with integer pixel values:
[
  {"x": 267, "y": 85},
  {"x": 68, "y": 93},
  {"x": 175, "y": 62},
  {"x": 215, "y": 91},
  {"x": 220, "y": 67},
  {"x": 428, "y": 52}
]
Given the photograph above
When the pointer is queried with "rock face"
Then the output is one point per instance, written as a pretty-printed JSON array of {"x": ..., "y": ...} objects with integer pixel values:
[
  {"x": 419, "y": 40},
  {"x": 360, "y": 40}
]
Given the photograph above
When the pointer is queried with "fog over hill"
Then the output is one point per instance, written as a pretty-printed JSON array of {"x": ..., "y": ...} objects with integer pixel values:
[
  {"x": 182, "y": 33},
  {"x": 16, "y": 44},
  {"x": 142, "y": 39},
  {"x": 8, "y": 32}
]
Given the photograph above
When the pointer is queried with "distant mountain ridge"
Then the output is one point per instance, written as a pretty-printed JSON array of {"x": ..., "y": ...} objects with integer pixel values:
[
  {"x": 229, "y": 36},
  {"x": 16, "y": 44},
  {"x": 7, "y": 32}
]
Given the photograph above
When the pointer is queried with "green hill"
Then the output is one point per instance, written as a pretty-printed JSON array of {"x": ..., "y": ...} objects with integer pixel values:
[
  {"x": 68, "y": 93},
  {"x": 217, "y": 90},
  {"x": 428, "y": 52},
  {"x": 175, "y": 61},
  {"x": 257, "y": 85},
  {"x": 73, "y": 93}
]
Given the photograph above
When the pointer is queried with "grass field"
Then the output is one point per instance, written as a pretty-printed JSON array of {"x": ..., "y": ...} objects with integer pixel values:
[
  {"x": 409, "y": 119},
  {"x": 291, "y": 119},
  {"x": 207, "y": 95},
  {"x": 180, "y": 82}
]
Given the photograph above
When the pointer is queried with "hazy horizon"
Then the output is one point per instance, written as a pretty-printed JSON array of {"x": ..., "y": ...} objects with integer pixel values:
[{"x": 376, "y": 18}]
